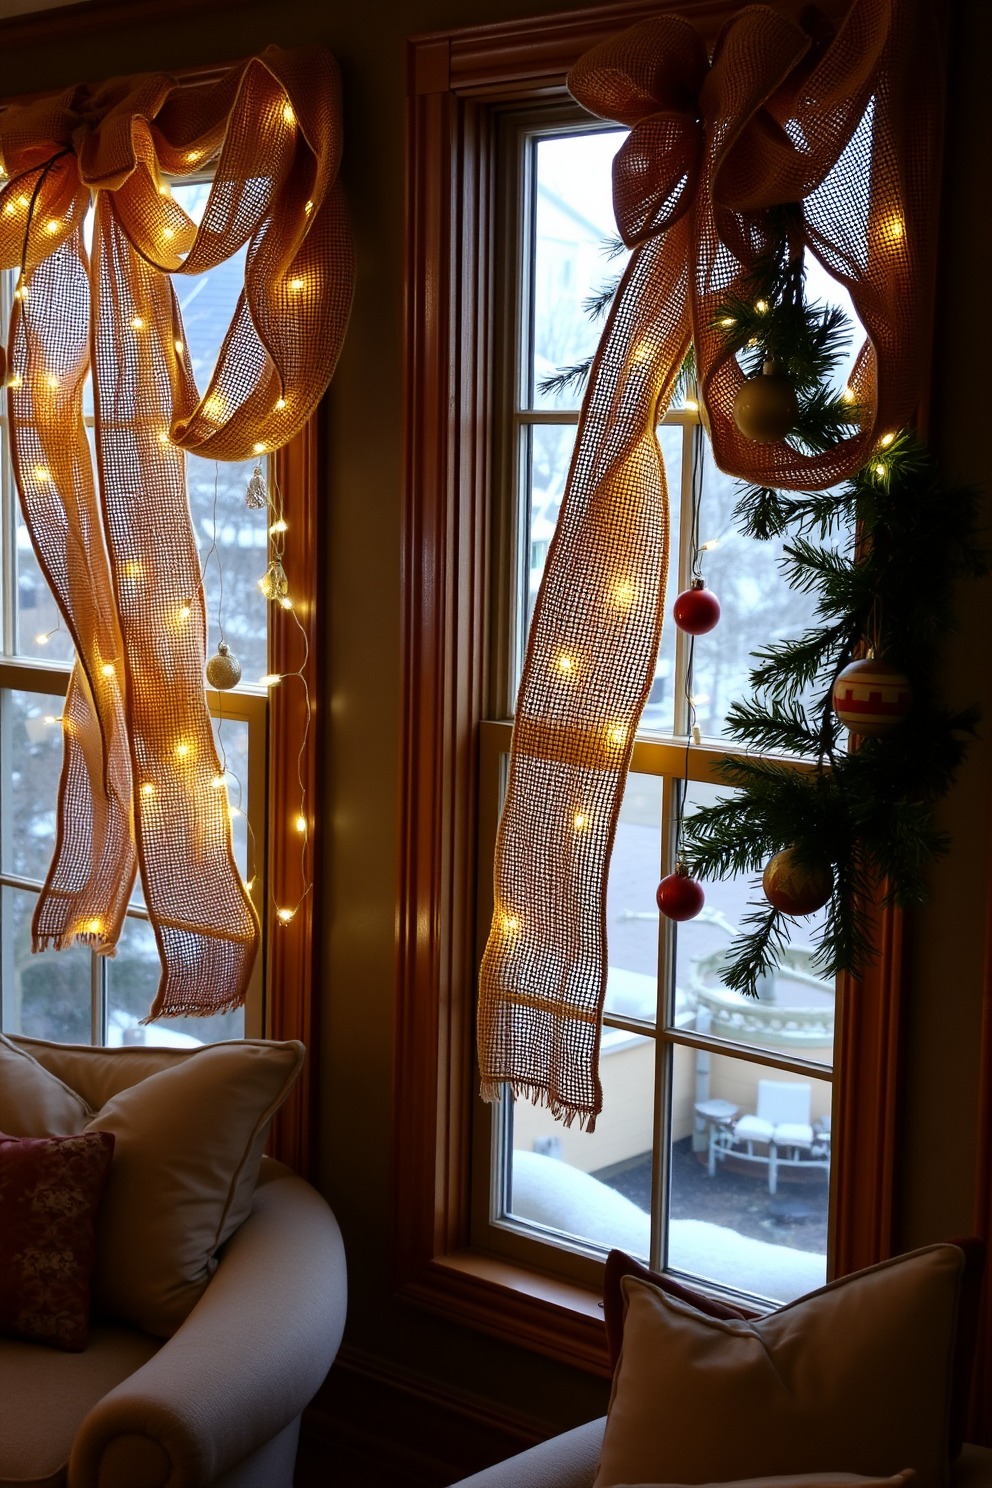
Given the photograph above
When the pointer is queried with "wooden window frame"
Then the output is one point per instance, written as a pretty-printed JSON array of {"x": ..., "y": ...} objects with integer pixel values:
[
  {"x": 456, "y": 82},
  {"x": 287, "y": 952}
]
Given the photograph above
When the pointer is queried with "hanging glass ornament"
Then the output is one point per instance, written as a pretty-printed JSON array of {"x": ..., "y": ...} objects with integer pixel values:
[
  {"x": 257, "y": 494},
  {"x": 680, "y": 897},
  {"x": 793, "y": 888},
  {"x": 766, "y": 407},
  {"x": 224, "y": 669},
  {"x": 696, "y": 610},
  {"x": 275, "y": 584},
  {"x": 871, "y": 697}
]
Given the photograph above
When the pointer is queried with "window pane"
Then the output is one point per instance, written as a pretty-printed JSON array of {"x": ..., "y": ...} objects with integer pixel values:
[
  {"x": 573, "y": 219},
  {"x": 749, "y": 1175},
  {"x": 41, "y": 633},
  {"x": 631, "y": 910},
  {"x": 46, "y": 996},
  {"x": 594, "y": 1188},
  {"x": 232, "y": 571},
  {"x": 132, "y": 981},
  {"x": 794, "y": 1012},
  {"x": 31, "y": 761},
  {"x": 548, "y": 450}
]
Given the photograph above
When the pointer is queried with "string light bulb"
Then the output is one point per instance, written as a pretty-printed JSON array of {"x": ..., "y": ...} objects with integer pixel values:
[
  {"x": 691, "y": 405},
  {"x": 148, "y": 789},
  {"x": 108, "y": 669},
  {"x": 286, "y": 602},
  {"x": 271, "y": 679},
  {"x": 708, "y": 547},
  {"x": 52, "y": 381},
  {"x": 42, "y": 640},
  {"x": 761, "y": 306},
  {"x": 280, "y": 403},
  {"x": 288, "y": 115},
  {"x": 259, "y": 449},
  {"x": 565, "y": 664},
  {"x": 579, "y": 822},
  {"x": 886, "y": 440},
  {"x": 51, "y": 718},
  {"x": 279, "y": 526},
  {"x": 179, "y": 348},
  {"x": 182, "y": 749},
  {"x": 285, "y": 915},
  {"x": 41, "y": 475},
  {"x": 880, "y": 470},
  {"x": 218, "y": 782},
  {"x": 618, "y": 735},
  {"x": 138, "y": 323},
  {"x": 301, "y": 823},
  {"x": 296, "y": 284},
  {"x": 848, "y": 394},
  {"x": 15, "y": 381}
]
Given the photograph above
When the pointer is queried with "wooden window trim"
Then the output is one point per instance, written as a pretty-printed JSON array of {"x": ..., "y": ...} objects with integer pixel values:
[
  {"x": 453, "y": 80},
  {"x": 288, "y": 953}
]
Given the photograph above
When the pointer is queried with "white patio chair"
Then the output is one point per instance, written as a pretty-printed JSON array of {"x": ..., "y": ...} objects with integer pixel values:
[{"x": 781, "y": 1124}]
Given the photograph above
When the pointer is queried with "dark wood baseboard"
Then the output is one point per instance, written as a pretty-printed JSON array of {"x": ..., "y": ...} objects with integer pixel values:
[{"x": 374, "y": 1426}]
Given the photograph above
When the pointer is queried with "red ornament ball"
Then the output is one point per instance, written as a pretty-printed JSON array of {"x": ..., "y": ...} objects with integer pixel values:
[
  {"x": 766, "y": 407},
  {"x": 680, "y": 897},
  {"x": 871, "y": 697},
  {"x": 793, "y": 888},
  {"x": 696, "y": 610}
]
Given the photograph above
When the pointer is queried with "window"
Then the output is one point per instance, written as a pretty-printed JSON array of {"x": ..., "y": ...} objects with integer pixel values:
[
  {"x": 260, "y": 729},
  {"x": 683, "y": 1057},
  {"x": 482, "y": 104}
]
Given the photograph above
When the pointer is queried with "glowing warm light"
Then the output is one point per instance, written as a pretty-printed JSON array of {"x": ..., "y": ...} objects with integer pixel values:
[
  {"x": 895, "y": 227},
  {"x": 41, "y": 475},
  {"x": 133, "y": 570},
  {"x": 727, "y": 321},
  {"x": 182, "y": 750},
  {"x": 259, "y": 449},
  {"x": 183, "y": 612},
  {"x": 168, "y": 232},
  {"x": 692, "y": 405},
  {"x": 42, "y": 640},
  {"x": 138, "y": 323},
  {"x": 879, "y": 469},
  {"x": 108, "y": 669},
  {"x": 618, "y": 736},
  {"x": 287, "y": 114},
  {"x": 708, "y": 547},
  {"x": 848, "y": 394},
  {"x": 886, "y": 440},
  {"x": 233, "y": 811},
  {"x": 624, "y": 593},
  {"x": 579, "y": 821},
  {"x": 50, "y": 718},
  {"x": 301, "y": 824},
  {"x": 95, "y": 926},
  {"x": 218, "y": 782},
  {"x": 10, "y": 209},
  {"x": 271, "y": 679},
  {"x": 52, "y": 380},
  {"x": 279, "y": 526},
  {"x": 565, "y": 663},
  {"x": 511, "y": 923},
  {"x": 699, "y": 698},
  {"x": 280, "y": 402},
  {"x": 147, "y": 789},
  {"x": 249, "y": 884},
  {"x": 192, "y": 156},
  {"x": 23, "y": 201},
  {"x": 285, "y": 915},
  {"x": 308, "y": 207},
  {"x": 163, "y": 190},
  {"x": 761, "y": 306},
  {"x": 286, "y": 602},
  {"x": 296, "y": 283},
  {"x": 163, "y": 436},
  {"x": 179, "y": 348},
  {"x": 214, "y": 407},
  {"x": 52, "y": 225},
  {"x": 15, "y": 381}
]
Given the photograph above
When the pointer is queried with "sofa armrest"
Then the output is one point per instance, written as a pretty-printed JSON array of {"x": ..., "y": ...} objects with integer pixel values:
[
  {"x": 566, "y": 1461},
  {"x": 249, "y": 1357}
]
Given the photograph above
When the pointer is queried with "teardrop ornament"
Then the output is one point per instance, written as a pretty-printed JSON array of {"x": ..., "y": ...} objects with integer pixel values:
[{"x": 257, "y": 494}]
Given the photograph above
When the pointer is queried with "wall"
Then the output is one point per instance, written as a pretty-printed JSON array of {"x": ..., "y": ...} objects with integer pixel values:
[{"x": 362, "y": 616}]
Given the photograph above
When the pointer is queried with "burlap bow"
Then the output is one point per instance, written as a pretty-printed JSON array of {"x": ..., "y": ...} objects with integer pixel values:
[
  {"x": 139, "y": 756},
  {"x": 847, "y": 125}
]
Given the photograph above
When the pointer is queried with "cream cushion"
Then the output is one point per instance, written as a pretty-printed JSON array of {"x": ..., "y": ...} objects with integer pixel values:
[
  {"x": 44, "y": 1394},
  {"x": 190, "y": 1128},
  {"x": 856, "y": 1377},
  {"x": 802, "y": 1480}
]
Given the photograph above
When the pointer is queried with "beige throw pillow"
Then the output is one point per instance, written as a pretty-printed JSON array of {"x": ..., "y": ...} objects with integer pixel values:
[
  {"x": 854, "y": 1377},
  {"x": 189, "y": 1139},
  {"x": 802, "y": 1480}
]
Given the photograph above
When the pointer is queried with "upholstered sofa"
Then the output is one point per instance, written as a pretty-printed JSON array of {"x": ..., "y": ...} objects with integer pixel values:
[
  {"x": 219, "y": 1403},
  {"x": 571, "y": 1460},
  {"x": 218, "y": 1290}
]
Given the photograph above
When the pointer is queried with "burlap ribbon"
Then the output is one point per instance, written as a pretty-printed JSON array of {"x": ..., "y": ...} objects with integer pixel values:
[
  {"x": 119, "y": 553},
  {"x": 845, "y": 123}
]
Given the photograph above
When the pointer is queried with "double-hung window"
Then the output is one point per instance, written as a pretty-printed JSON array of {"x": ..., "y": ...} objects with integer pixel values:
[
  {"x": 260, "y": 727},
  {"x": 712, "y": 1154}
]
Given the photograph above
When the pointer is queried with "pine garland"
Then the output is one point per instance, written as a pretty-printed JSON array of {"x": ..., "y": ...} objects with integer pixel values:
[{"x": 882, "y": 555}]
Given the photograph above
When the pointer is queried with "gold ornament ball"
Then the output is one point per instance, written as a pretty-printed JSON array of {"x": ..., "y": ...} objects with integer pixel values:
[
  {"x": 223, "y": 670},
  {"x": 793, "y": 888},
  {"x": 766, "y": 408}
]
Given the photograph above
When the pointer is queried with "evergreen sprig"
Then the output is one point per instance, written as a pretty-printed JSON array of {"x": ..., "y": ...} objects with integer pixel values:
[{"x": 881, "y": 556}]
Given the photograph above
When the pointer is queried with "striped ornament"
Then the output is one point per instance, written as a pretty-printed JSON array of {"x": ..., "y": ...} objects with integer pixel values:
[{"x": 871, "y": 697}]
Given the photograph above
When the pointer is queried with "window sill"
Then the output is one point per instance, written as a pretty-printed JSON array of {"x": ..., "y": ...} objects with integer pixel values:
[{"x": 529, "y": 1308}]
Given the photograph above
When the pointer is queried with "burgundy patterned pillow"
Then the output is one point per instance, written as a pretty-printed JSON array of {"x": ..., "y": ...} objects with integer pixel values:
[{"x": 50, "y": 1190}]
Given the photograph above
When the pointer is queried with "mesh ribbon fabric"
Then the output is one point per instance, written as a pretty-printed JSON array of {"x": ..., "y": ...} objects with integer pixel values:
[
  {"x": 119, "y": 550},
  {"x": 845, "y": 123}
]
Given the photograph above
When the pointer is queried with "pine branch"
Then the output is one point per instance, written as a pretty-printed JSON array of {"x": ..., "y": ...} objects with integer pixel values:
[
  {"x": 757, "y": 953},
  {"x": 597, "y": 304},
  {"x": 788, "y": 668},
  {"x": 776, "y": 728},
  {"x": 565, "y": 379}
]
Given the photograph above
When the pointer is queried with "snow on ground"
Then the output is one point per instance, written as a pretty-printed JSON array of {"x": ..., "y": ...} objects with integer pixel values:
[{"x": 550, "y": 1193}]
